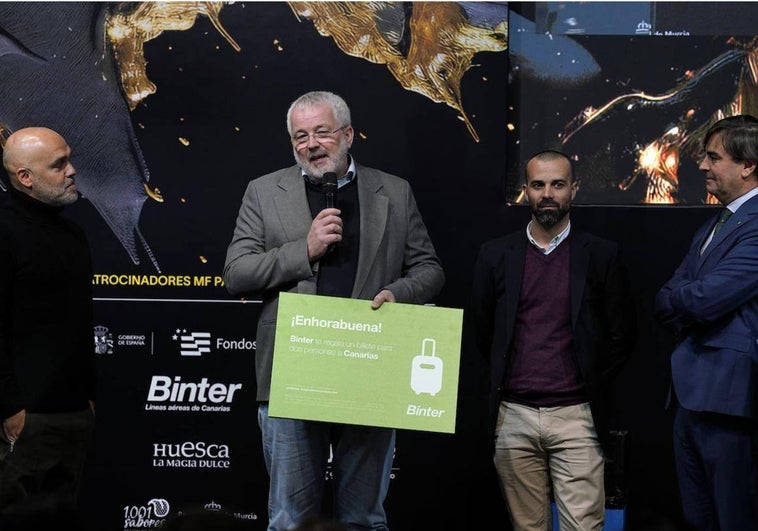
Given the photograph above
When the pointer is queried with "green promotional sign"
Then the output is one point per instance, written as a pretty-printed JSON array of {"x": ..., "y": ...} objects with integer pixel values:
[{"x": 337, "y": 360}]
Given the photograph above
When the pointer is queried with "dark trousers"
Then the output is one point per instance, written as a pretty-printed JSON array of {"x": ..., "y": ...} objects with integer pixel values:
[
  {"x": 40, "y": 477},
  {"x": 716, "y": 466}
]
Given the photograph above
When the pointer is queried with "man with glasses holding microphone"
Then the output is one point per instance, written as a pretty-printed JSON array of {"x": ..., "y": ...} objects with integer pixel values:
[{"x": 374, "y": 246}]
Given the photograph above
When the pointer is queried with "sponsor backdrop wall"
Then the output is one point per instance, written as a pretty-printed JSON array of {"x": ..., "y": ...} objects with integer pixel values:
[{"x": 172, "y": 108}]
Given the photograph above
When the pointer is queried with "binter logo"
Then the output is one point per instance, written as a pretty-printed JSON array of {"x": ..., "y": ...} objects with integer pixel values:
[
  {"x": 189, "y": 396},
  {"x": 164, "y": 389},
  {"x": 194, "y": 343}
]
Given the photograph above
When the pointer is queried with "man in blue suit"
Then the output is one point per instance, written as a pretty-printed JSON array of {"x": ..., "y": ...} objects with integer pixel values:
[{"x": 712, "y": 303}]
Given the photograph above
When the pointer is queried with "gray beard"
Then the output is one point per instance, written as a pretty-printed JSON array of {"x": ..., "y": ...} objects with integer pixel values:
[{"x": 310, "y": 170}]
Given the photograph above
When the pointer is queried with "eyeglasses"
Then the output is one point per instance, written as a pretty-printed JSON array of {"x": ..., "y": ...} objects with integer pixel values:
[{"x": 301, "y": 139}]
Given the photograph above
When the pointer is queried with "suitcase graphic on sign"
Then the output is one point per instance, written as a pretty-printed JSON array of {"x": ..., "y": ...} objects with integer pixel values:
[{"x": 426, "y": 372}]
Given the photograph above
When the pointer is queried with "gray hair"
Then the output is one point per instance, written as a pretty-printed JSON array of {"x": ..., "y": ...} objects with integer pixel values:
[{"x": 339, "y": 107}]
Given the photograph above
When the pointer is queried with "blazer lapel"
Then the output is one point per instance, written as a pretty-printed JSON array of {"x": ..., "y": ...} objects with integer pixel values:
[
  {"x": 292, "y": 205},
  {"x": 374, "y": 208},
  {"x": 743, "y": 213},
  {"x": 514, "y": 276},
  {"x": 706, "y": 231},
  {"x": 578, "y": 264}
]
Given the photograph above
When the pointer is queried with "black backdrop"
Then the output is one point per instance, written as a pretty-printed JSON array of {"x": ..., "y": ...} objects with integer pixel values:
[
  {"x": 215, "y": 122},
  {"x": 441, "y": 481}
]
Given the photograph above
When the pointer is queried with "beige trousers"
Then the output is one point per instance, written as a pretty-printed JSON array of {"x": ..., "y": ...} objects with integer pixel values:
[{"x": 537, "y": 449}]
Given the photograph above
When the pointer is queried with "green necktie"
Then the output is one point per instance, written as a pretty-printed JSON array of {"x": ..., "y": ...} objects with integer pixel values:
[{"x": 722, "y": 219}]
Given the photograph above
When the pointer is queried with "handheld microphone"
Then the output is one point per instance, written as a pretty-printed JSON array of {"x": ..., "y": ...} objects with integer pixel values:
[{"x": 329, "y": 187}]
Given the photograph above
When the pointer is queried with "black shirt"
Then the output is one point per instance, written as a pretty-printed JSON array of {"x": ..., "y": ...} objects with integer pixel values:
[
  {"x": 338, "y": 267},
  {"x": 47, "y": 360}
]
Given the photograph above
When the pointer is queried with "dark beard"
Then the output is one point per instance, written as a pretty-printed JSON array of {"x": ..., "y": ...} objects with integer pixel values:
[{"x": 549, "y": 218}]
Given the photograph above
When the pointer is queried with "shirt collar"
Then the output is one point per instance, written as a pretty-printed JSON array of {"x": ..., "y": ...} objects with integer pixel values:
[
  {"x": 741, "y": 200},
  {"x": 555, "y": 242},
  {"x": 349, "y": 176}
]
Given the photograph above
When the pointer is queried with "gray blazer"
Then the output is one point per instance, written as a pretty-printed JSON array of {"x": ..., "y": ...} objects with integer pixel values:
[{"x": 268, "y": 252}]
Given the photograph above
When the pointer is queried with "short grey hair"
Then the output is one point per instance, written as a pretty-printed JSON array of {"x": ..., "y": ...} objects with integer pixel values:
[{"x": 339, "y": 107}]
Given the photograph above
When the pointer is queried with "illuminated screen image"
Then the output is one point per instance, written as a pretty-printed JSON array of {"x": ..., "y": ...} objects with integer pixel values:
[{"x": 627, "y": 90}]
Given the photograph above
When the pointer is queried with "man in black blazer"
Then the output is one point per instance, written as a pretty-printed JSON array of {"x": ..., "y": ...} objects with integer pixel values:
[{"x": 551, "y": 312}]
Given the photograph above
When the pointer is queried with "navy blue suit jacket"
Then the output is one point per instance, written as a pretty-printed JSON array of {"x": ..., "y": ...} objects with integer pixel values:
[
  {"x": 712, "y": 302},
  {"x": 602, "y": 312}
]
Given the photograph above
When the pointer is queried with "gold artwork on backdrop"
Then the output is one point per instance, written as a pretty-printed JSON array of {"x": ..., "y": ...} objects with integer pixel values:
[
  {"x": 442, "y": 44},
  {"x": 128, "y": 26},
  {"x": 440, "y": 41}
]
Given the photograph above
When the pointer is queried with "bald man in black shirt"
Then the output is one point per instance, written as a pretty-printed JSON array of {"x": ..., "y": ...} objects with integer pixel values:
[{"x": 47, "y": 362}]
